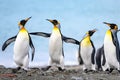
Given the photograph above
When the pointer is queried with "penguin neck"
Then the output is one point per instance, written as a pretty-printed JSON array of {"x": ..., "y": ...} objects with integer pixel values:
[
  {"x": 108, "y": 34},
  {"x": 86, "y": 41},
  {"x": 87, "y": 38},
  {"x": 22, "y": 29},
  {"x": 56, "y": 29}
]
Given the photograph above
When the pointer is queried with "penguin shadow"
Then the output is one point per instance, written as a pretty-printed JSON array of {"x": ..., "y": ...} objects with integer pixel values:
[{"x": 52, "y": 68}]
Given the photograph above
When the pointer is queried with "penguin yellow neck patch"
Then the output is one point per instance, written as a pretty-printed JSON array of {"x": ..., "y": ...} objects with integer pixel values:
[
  {"x": 86, "y": 41},
  {"x": 109, "y": 35},
  {"x": 23, "y": 30},
  {"x": 56, "y": 29}
]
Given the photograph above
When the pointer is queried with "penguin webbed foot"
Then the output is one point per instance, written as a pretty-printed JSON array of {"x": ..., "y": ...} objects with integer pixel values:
[
  {"x": 61, "y": 69},
  {"x": 46, "y": 68},
  {"x": 16, "y": 70},
  {"x": 109, "y": 70},
  {"x": 85, "y": 70}
]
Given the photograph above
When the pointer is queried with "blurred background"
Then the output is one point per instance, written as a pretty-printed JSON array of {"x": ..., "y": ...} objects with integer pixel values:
[{"x": 76, "y": 18}]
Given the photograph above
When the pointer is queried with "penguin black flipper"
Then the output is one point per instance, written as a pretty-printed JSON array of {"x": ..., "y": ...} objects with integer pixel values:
[
  {"x": 99, "y": 55},
  {"x": 41, "y": 34},
  {"x": 70, "y": 40},
  {"x": 79, "y": 56},
  {"x": 103, "y": 55},
  {"x": 8, "y": 41},
  {"x": 32, "y": 48},
  {"x": 116, "y": 43},
  {"x": 93, "y": 53}
]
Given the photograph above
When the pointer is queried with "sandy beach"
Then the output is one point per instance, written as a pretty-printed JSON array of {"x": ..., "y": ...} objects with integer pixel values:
[{"x": 70, "y": 73}]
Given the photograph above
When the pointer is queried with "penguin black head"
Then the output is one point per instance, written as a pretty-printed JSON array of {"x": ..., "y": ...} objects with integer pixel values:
[
  {"x": 112, "y": 25},
  {"x": 23, "y": 22},
  {"x": 54, "y": 22},
  {"x": 91, "y": 32}
]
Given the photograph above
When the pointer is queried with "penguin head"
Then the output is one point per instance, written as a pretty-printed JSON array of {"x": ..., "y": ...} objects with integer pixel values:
[
  {"x": 23, "y": 22},
  {"x": 91, "y": 32},
  {"x": 112, "y": 25},
  {"x": 55, "y": 23}
]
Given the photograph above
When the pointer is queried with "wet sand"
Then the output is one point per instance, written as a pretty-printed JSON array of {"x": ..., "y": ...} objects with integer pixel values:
[{"x": 71, "y": 73}]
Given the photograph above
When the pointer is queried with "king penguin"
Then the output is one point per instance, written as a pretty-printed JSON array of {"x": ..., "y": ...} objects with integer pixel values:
[
  {"x": 111, "y": 48},
  {"x": 56, "y": 45},
  {"x": 86, "y": 52},
  {"x": 21, "y": 46},
  {"x": 56, "y": 51}
]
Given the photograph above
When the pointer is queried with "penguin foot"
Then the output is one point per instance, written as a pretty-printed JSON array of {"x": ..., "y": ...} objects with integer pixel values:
[
  {"x": 85, "y": 70},
  {"x": 60, "y": 69},
  {"x": 23, "y": 70},
  {"x": 93, "y": 71},
  {"x": 46, "y": 68},
  {"x": 109, "y": 70},
  {"x": 16, "y": 70}
]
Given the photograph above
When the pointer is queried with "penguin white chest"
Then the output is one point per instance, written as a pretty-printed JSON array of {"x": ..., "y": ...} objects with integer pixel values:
[
  {"x": 86, "y": 51},
  {"x": 110, "y": 50},
  {"x": 55, "y": 46},
  {"x": 21, "y": 47}
]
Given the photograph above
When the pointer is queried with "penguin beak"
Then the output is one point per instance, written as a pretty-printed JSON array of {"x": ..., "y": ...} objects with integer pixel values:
[
  {"x": 91, "y": 32},
  {"x": 94, "y": 30},
  {"x": 28, "y": 19},
  {"x": 107, "y": 23},
  {"x": 111, "y": 25},
  {"x": 49, "y": 20}
]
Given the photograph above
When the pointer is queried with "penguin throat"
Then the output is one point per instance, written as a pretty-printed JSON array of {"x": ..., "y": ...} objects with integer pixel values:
[
  {"x": 109, "y": 34},
  {"x": 55, "y": 28},
  {"x": 86, "y": 41},
  {"x": 22, "y": 29}
]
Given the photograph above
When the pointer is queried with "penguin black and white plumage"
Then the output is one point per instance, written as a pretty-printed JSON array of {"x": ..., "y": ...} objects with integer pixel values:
[
  {"x": 111, "y": 48},
  {"x": 86, "y": 52},
  {"x": 56, "y": 46},
  {"x": 21, "y": 46},
  {"x": 56, "y": 51}
]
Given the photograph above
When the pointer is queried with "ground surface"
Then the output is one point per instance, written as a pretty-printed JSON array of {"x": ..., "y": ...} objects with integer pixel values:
[{"x": 71, "y": 73}]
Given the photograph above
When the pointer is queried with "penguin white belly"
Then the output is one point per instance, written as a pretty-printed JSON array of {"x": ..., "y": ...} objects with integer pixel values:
[
  {"x": 110, "y": 53},
  {"x": 86, "y": 53},
  {"x": 21, "y": 49},
  {"x": 55, "y": 48}
]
